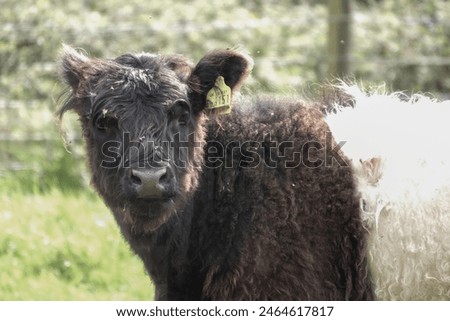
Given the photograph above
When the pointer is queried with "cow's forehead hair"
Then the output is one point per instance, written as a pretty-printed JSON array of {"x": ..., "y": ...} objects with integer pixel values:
[{"x": 128, "y": 86}]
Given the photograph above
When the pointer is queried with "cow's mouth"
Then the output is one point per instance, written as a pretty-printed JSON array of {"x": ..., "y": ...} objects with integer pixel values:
[
  {"x": 151, "y": 208},
  {"x": 149, "y": 215}
]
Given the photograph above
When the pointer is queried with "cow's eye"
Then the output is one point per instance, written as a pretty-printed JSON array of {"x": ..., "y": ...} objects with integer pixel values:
[
  {"x": 184, "y": 118},
  {"x": 105, "y": 123},
  {"x": 181, "y": 112}
]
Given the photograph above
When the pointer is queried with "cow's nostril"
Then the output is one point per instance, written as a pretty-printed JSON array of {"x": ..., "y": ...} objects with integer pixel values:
[
  {"x": 164, "y": 178},
  {"x": 135, "y": 180}
]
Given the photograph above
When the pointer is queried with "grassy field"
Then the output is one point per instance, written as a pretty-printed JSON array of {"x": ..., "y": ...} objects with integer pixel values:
[{"x": 65, "y": 247}]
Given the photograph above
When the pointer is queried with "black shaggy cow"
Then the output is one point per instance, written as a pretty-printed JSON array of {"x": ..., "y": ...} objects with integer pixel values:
[{"x": 254, "y": 205}]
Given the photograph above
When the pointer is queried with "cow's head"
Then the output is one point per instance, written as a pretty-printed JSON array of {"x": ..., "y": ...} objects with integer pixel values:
[{"x": 143, "y": 119}]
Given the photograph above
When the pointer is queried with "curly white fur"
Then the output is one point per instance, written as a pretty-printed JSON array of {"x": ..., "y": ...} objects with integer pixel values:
[{"x": 400, "y": 149}]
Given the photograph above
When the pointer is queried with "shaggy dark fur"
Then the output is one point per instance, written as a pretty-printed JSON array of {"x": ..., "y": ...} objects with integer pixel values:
[{"x": 240, "y": 227}]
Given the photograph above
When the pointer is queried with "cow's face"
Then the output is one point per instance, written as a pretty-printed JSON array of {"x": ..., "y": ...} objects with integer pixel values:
[{"x": 143, "y": 121}]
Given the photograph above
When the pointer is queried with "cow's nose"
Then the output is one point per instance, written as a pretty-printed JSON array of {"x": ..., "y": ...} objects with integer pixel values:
[{"x": 152, "y": 182}]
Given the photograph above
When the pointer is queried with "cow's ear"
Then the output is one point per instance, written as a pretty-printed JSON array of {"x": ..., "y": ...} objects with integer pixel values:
[
  {"x": 372, "y": 169},
  {"x": 74, "y": 65},
  {"x": 80, "y": 72},
  {"x": 221, "y": 66}
]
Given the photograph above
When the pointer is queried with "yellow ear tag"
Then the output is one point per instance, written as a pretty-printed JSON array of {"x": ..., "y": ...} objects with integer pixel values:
[{"x": 219, "y": 97}]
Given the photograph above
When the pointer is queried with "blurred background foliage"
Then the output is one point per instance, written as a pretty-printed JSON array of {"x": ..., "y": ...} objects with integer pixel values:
[{"x": 402, "y": 43}]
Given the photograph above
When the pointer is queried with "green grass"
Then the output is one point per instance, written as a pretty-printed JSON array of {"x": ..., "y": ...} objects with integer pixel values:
[{"x": 61, "y": 247}]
